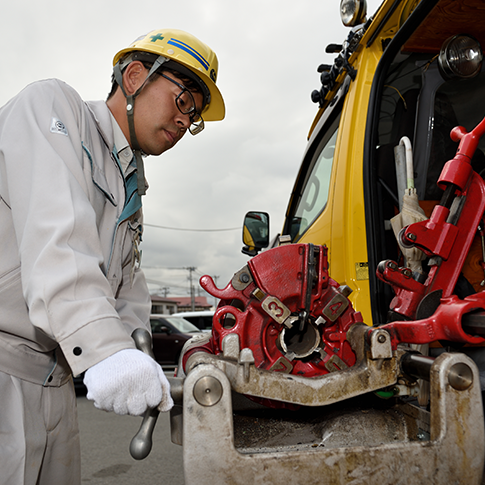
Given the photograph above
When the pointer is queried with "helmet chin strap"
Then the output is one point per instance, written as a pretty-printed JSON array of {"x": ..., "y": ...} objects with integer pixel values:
[{"x": 130, "y": 109}]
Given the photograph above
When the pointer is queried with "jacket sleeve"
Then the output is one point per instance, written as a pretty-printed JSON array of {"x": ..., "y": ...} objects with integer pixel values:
[
  {"x": 47, "y": 185},
  {"x": 133, "y": 303}
]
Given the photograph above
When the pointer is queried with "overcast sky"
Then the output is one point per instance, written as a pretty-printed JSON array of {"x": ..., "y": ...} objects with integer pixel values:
[{"x": 268, "y": 53}]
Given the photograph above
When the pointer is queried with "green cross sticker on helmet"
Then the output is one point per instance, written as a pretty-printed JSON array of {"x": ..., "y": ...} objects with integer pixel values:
[
  {"x": 189, "y": 52},
  {"x": 156, "y": 37}
]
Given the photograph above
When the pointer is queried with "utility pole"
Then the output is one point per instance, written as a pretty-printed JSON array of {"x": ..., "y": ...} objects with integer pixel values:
[
  {"x": 191, "y": 269},
  {"x": 215, "y": 278}
]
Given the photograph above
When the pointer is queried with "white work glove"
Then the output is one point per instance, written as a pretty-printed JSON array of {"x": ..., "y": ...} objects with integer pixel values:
[{"x": 128, "y": 382}]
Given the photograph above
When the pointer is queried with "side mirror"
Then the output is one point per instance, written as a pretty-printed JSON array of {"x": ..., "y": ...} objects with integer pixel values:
[{"x": 255, "y": 232}]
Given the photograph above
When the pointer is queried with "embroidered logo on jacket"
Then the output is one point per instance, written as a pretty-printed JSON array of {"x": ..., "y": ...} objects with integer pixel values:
[{"x": 57, "y": 126}]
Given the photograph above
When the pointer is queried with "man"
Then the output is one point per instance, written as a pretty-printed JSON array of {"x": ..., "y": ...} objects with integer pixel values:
[{"x": 71, "y": 291}]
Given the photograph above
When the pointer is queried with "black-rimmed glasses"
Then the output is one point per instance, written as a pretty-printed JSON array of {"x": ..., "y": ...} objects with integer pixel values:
[{"x": 186, "y": 105}]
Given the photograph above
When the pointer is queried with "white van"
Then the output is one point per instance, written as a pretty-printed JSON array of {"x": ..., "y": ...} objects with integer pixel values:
[{"x": 201, "y": 319}]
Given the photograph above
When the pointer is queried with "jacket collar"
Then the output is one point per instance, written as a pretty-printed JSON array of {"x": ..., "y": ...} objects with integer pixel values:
[{"x": 101, "y": 114}]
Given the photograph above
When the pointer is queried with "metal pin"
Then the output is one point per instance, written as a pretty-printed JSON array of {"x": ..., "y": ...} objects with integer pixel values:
[{"x": 246, "y": 359}]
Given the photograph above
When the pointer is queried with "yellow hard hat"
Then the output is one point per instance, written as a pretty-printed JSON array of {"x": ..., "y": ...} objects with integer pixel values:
[{"x": 190, "y": 52}]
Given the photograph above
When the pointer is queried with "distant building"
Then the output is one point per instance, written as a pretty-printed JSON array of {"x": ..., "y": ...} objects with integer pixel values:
[
  {"x": 184, "y": 303},
  {"x": 164, "y": 305}
]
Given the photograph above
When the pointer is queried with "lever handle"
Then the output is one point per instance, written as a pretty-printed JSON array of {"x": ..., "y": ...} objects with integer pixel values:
[
  {"x": 143, "y": 341},
  {"x": 141, "y": 444}
]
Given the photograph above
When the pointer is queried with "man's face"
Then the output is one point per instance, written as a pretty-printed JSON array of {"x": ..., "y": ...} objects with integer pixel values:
[{"x": 159, "y": 124}]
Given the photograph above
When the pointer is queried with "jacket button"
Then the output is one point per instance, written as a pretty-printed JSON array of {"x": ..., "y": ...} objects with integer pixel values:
[
  {"x": 50, "y": 379},
  {"x": 77, "y": 351}
]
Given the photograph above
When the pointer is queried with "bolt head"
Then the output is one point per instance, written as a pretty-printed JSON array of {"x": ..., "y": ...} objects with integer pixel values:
[
  {"x": 460, "y": 377},
  {"x": 208, "y": 391},
  {"x": 244, "y": 278}
]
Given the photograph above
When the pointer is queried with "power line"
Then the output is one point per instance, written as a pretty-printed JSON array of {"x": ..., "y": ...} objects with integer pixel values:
[
  {"x": 164, "y": 283},
  {"x": 163, "y": 267},
  {"x": 194, "y": 230}
]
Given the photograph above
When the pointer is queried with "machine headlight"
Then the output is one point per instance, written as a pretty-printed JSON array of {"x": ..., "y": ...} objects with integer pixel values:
[
  {"x": 460, "y": 57},
  {"x": 353, "y": 12}
]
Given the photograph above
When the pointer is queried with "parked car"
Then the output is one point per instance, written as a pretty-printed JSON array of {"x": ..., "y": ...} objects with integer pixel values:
[
  {"x": 201, "y": 319},
  {"x": 169, "y": 334}
]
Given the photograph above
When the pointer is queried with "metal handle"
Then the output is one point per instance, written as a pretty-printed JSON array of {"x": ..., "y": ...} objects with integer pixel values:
[
  {"x": 143, "y": 341},
  {"x": 141, "y": 444}
]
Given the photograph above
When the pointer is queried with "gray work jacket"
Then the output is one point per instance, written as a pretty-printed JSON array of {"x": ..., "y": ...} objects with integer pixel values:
[{"x": 70, "y": 286}]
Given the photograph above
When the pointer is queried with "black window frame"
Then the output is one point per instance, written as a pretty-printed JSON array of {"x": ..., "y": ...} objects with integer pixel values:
[{"x": 381, "y": 293}]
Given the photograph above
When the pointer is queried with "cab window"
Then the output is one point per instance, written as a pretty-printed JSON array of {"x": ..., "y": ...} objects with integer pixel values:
[
  {"x": 314, "y": 193},
  {"x": 454, "y": 105}
]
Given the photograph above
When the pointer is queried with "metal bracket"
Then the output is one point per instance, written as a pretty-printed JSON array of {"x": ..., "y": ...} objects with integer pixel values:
[
  {"x": 452, "y": 452},
  {"x": 380, "y": 345}
]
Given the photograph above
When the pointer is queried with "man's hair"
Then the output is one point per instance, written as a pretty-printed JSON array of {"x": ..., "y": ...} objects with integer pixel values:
[{"x": 189, "y": 83}]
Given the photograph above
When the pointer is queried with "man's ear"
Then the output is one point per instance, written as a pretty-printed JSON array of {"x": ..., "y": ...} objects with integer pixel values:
[{"x": 134, "y": 77}]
